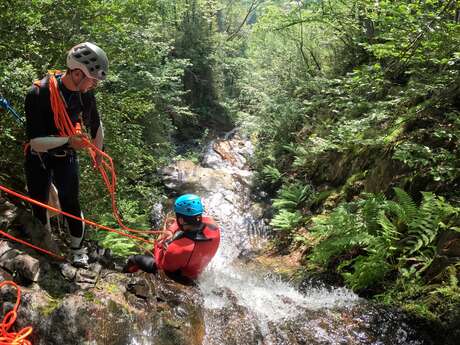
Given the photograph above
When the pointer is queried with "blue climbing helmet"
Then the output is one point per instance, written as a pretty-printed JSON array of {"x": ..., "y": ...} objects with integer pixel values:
[{"x": 188, "y": 205}]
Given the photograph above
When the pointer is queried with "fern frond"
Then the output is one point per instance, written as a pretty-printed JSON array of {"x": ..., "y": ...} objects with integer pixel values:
[
  {"x": 407, "y": 204},
  {"x": 286, "y": 220}
]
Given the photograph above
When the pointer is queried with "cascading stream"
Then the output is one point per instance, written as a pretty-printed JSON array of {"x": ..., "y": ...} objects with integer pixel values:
[{"x": 247, "y": 305}]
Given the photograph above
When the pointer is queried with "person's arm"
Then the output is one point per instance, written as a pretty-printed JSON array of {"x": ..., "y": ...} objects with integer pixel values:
[
  {"x": 99, "y": 139},
  {"x": 95, "y": 126}
]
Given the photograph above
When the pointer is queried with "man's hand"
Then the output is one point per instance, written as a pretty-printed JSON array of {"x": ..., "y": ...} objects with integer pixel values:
[{"x": 77, "y": 142}]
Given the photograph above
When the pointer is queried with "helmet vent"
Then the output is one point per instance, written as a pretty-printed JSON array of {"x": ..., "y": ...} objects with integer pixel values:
[{"x": 91, "y": 59}]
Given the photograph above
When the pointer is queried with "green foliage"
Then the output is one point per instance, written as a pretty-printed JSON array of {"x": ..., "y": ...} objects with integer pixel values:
[
  {"x": 286, "y": 221},
  {"x": 338, "y": 233},
  {"x": 271, "y": 174},
  {"x": 440, "y": 163},
  {"x": 386, "y": 236},
  {"x": 434, "y": 215},
  {"x": 292, "y": 196},
  {"x": 120, "y": 245}
]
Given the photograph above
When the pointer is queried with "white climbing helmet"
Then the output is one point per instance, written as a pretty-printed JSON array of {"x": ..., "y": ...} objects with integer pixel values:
[{"x": 89, "y": 58}]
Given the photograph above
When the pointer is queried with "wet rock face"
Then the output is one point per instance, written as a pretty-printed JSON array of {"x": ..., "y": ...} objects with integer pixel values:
[
  {"x": 232, "y": 324},
  {"x": 185, "y": 176},
  {"x": 120, "y": 310}
]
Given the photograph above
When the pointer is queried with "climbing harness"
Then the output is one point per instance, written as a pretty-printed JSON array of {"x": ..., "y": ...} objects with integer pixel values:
[
  {"x": 6, "y": 105},
  {"x": 13, "y": 338}
]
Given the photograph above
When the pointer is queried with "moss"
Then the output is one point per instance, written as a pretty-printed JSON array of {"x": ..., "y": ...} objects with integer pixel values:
[
  {"x": 50, "y": 307},
  {"x": 89, "y": 296},
  {"x": 396, "y": 131},
  {"x": 322, "y": 196},
  {"x": 419, "y": 309},
  {"x": 112, "y": 288}
]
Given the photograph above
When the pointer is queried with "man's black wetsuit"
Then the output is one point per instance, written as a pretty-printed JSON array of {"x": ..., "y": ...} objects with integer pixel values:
[{"x": 59, "y": 165}]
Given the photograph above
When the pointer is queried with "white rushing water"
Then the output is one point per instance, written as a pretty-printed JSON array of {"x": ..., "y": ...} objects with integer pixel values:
[{"x": 227, "y": 281}]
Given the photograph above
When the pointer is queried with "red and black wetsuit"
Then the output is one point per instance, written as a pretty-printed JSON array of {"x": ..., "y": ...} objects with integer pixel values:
[{"x": 186, "y": 253}]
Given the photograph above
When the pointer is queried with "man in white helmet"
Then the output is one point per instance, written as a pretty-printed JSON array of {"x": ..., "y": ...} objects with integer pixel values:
[{"x": 51, "y": 156}]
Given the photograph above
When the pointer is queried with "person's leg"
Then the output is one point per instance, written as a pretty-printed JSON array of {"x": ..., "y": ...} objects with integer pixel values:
[
  {"x": 38, "y": 178},
  {"x": 67, "y": 181},
  {"x": 145, "y": 263}
]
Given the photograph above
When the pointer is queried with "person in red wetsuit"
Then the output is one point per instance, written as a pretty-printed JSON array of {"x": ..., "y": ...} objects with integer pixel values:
[{"x": 193, "y": 242}]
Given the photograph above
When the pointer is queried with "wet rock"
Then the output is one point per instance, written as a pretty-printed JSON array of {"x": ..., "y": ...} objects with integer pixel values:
[
  {"x": 4, "y": 275},
  {"x": 140, "y": 288},
  {"x": 320, "y": 280},
  {"x": 68, "y": 271},
  {"x": 185, "y": 176},
  {"x": 439, "y": 265},
  {"x": 8, "y": 213},
  {"x": 32, "y": 230},
  {"x": 233, "y": 324},
  {"x": 19, "y": 263},
  {"x": 102, "y": 314}
]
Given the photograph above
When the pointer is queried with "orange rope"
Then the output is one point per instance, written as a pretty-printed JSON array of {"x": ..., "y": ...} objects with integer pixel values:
[
  {"x": 103, "y": 227},
  {"x": 3, "y": 233},
  {"x": 13, "y": 338}
]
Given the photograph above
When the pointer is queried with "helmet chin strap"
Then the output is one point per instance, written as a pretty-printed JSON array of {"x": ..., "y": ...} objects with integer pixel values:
[
  {"x": 75, "y": 83},
  {"x": 78, "y": 85}
]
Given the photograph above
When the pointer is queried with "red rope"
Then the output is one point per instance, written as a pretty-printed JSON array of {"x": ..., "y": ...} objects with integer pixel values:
[
  {"x": 86, "y": 221},
  {"x": 3, "y": 233},
  {"x": 13, "y": 338}
]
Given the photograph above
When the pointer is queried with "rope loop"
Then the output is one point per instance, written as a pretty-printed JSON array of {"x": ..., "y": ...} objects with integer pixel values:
[{"x": 13, "y": 338}]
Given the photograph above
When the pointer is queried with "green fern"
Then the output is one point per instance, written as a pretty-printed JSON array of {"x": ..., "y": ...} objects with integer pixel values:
[
  {"x": 291, "y": 197},
  {"x": 271, "y": 174},
  {"x": 342, "y": 230},
  {"x": 408, "y": 206},
  {"x": 371, "y": 208},
  {"x": 425, "y": 227},
  {"x": 120, "y": 245},
  {"x": 286, "y": 220},
  {"x": 367, "y": 271}
]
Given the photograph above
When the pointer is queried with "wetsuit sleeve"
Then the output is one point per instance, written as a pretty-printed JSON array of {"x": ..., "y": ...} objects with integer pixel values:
[
  {"x": 35, "y": 121},
  {"x": 92, "y": 119}
]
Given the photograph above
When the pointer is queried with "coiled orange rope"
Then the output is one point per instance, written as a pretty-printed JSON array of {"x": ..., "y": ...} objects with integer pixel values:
[{"x": 13, "y": 338}]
